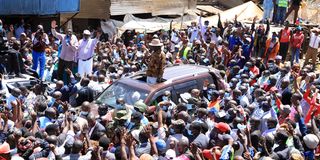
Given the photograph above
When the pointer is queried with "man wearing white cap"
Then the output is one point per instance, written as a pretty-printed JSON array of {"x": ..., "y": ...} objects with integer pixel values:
[
  {"x": 69, "y": 47},
  {"x": 86, "y": 52}
]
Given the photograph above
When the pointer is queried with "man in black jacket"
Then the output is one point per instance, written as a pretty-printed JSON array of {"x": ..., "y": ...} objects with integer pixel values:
[{"x": 85, "y": 93}]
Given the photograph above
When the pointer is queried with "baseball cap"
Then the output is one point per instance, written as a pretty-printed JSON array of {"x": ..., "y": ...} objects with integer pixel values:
[
  {"x": 5, "y": 148},
  {"x": 161, "y": 145},
  {"x": 170, "y": 154},
  {"x": 140, "y": 106},
  {"x": 223, "y": 127},
  {"x": 311, "y": 141}
]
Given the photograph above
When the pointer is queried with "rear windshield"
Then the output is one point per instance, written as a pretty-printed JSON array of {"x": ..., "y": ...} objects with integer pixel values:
[{"x": 119, "y": 90}]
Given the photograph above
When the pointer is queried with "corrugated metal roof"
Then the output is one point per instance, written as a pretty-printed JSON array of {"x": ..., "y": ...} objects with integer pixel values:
[
  {"x": 96, "y": 9},
  {"x": 156, "y": 7},
  {"x": 38, "y": 7}
]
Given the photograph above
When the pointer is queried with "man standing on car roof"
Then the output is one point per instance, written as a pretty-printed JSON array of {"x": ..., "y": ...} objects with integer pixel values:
[{"x": 156, "y": 62}]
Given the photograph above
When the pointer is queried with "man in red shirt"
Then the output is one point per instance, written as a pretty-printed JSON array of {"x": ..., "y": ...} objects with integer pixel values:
[
  {"x": 284, "y": 38},
  {"x": 296, "y": 42}
]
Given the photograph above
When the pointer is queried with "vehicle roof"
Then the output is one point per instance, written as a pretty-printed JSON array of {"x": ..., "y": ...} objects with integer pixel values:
[
  {"x": 183, "y": 71},
  {"x": 170, "y": 74}
]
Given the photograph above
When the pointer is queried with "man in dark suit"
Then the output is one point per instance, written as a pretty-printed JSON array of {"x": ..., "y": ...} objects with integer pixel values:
[
  {"x": 286, "y": 93},
  {"x": 96, "y": 130}
]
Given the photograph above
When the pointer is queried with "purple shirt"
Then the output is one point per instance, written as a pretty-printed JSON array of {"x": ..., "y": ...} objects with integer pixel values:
[
  {"x": 86, "y": 48},
  {"x": 68, "y": 51}
]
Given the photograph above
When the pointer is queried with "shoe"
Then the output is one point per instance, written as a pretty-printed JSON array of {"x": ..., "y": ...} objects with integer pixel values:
[{"x": 20, "y": 75}]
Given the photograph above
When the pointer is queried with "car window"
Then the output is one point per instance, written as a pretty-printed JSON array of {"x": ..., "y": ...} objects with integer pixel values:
[
  {"x": 119, "y": 90},
  {"x": 201, "y": 81},
  {"x": 185, "y": 86},
  {"x": 157, "y": 97}
]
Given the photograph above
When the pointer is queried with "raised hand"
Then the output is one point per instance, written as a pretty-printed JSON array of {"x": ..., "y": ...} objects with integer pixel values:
[
  {"x": 54, "y": 24},
  {"x": 99, "y": 33}
]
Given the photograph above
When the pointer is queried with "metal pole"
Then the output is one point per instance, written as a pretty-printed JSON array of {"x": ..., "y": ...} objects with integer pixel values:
[{"x": 68, "y": 20}]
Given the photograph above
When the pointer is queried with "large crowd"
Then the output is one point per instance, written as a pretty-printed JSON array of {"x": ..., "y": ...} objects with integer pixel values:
[{"x": 268, "y": 108}]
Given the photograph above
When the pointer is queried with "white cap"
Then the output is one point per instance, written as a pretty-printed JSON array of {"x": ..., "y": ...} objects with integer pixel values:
[
  {"x": 170, "y": 154},
  {"x": 86, "y": 32},
  {"x": 311, "y": 141},
  {"x": 279, "y": 57}
]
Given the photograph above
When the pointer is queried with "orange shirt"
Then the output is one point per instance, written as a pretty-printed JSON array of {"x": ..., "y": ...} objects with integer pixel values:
[
  {"x": 285, "y": 35},
  {"x": 215, "y": 104}
]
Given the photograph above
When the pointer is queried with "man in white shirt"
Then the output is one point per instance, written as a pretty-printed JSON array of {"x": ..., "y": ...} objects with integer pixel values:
[
  {"x": 312, "y": 51},
  {"x": 193, "y": 32},
  {"x": 86, "y": 52}
]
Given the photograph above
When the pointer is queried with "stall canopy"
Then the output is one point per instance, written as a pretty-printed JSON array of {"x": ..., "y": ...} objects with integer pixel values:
[
  {"x": 152, "y": 24},
  {"x": 209, "y": 9},
  {"x": 244, "y": 12},
  {"x": 156, "y": 7},
  {"x": 38, "y": 7}
]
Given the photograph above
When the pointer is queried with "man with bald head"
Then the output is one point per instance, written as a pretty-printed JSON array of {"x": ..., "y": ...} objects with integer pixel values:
[
  {"x": 76, "y": 149},
  {"x": 85, "y": 93},
  {"x": 84, "y": 109},
  {"x": 63, "y": 89},
  {"x": 48, "y": 118},
  {"x": 96, "y": 130}
]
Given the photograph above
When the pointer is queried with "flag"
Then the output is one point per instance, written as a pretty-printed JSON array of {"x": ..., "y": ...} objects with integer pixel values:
[{"x": 312, "y": 106}]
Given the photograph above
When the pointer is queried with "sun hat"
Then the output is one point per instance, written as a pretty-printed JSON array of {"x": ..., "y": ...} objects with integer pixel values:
[{"x": 156, "y": 43}]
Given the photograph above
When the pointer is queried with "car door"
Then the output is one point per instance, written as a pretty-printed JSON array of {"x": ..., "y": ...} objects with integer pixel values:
[
  {"x": 182, "y": 88},
  {"x": 157, "y": 97}
]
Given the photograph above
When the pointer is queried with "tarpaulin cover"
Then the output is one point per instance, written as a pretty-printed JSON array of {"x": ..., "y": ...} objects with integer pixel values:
[
  {"x": 38, "y": 7},
  {"x": 156, "y": 7},
  {"x": 152, "y": 24},
  {"x": 245, "y": 12},
  {"x": 110, "y": 26}
]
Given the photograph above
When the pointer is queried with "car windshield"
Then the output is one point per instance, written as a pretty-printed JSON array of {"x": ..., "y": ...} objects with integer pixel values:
[{"x": 119, "y": 90}]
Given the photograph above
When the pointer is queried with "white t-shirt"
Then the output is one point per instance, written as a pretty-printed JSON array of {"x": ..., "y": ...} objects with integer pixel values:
[{"x": 314, "y": 41}]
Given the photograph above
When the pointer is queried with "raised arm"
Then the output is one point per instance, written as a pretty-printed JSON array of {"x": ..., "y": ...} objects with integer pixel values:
[
  {"x": 54, "y": 32},
  {"x": 253, "y": 24},
  {"x": 220, "y": 24},
  {"x": 268, "y": 28}
]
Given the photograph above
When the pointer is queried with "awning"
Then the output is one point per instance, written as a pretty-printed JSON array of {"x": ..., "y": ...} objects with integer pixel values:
[
  {"x": 152, "y": 24},
  {"x": 209, "y": 9},
  {"x": 156, "y": 7},
  {"x": 38, "y": 7},
  {"x": 245, "y": 12}
]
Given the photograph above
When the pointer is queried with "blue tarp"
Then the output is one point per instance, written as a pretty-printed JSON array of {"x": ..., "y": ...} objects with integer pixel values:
[{"x": 38, "y": 7}]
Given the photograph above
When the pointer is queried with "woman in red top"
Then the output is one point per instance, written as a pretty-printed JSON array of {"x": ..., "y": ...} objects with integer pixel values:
[{"x": 296, "y": 42}]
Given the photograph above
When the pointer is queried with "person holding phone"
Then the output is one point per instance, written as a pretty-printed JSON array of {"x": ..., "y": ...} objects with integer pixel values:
[{"x": 67, "y": 57}]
